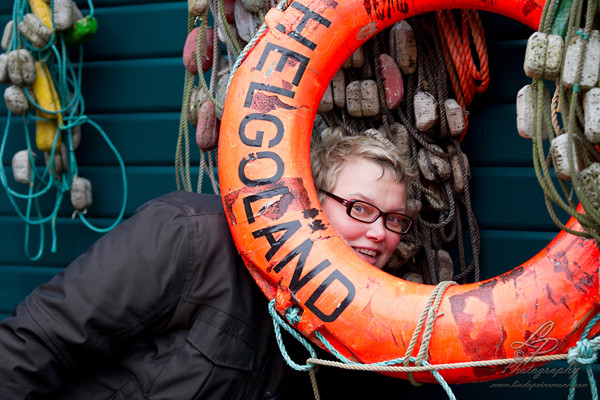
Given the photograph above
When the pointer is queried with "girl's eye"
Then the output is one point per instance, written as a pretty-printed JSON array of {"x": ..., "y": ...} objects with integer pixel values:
[
  {"x": 394, "y": 219},
  {"x": 362, "y": 209}
]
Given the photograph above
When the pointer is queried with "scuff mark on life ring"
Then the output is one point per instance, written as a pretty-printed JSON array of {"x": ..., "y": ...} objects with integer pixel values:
[
  {"x": 385, "y": 9},
  {"x": 317, "y": 225},
  {"x": 471, "y": 336},
  {"x": 512, "y": 275},
  {"x": 366, "y": 31},
  {"x": 310, "y": 213},
  {"x": 529, "y": 6},
  {"x": 296, "y": 198},
  {"x": 265, "y": 104},
  {"x": 586, "y": 282}
]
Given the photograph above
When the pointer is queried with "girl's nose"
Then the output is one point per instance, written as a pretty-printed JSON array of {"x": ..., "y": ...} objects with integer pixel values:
[{"x": 376, "y": 231}]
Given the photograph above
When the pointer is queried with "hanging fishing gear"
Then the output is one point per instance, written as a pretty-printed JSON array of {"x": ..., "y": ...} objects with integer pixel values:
[
  {"x": 565, "y": 51},
  {"x": 402, "y": 98},
  {"x": 45, "y": 91},
  {"x": 218, "y": 31},
  {"x": 366, "y": 97}
]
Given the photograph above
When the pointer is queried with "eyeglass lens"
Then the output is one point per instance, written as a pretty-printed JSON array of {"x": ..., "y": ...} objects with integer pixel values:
[{"x": 366, "y": 212}]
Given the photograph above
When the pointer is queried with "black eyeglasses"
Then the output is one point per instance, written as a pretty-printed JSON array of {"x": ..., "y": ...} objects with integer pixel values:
[{"x": 367, "y": 212}]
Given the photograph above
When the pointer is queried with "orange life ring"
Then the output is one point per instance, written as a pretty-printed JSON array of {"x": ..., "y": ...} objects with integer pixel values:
[{"x": 540, "y": 307}]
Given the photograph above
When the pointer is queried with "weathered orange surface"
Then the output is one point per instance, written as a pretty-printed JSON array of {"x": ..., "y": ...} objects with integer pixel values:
[{"x": 538, "y": 308}]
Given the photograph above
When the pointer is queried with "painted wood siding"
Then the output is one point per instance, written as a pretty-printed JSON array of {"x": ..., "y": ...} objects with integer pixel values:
[
  {"x": 132, "y": 86},
  {"x": 133, "y": 83}
]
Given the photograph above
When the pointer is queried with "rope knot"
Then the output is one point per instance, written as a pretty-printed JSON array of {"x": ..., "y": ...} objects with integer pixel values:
[
  {"x": 584, "y": 353},
  {"x": 293, "y": 315},
  {"x": 584, "y": 36}
]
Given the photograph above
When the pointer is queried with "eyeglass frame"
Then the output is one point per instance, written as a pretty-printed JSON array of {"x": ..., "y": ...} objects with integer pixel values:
[{"x": 350, "y": 203}]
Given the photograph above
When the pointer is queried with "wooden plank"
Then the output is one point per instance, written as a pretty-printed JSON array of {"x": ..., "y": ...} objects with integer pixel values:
[
  {"x": 492, "y": 138},
  {"x": 72, "y": 239},
  {"x": 499, "y": 214},
  {"x": 139, "y": 31},
  {"x": 83, "y": 4},
  {"x": 140, "y": 139},
  {"x": 15, "y": 139},
  {"x": 143, "y": 183},
  {"x": 502, "y": 251},
  {"x": 503, "y": 198},
  {"x": 149, "y": 85},
  {"x": 4, "y": 18},
  {"x": 18, "y": 281},
  {"x": 6, "y": 7},
  {"x": 506, "y": 72},
  {"x": 132, "y": 31},
  {"x": 131, "y": 86},
  {"x": 499, "y": 28},
  {"x": 509, "y": 198}
]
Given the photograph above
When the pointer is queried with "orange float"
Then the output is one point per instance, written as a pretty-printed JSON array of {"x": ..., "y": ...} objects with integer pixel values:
[{"x": 538, "y": 308}]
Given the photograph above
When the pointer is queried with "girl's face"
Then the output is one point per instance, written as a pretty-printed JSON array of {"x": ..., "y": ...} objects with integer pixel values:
[{"x": 361, "y": 179}]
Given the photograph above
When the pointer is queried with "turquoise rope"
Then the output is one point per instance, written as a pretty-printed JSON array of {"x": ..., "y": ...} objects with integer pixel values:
[
  {"x": 292, "y": 316},
  {"x": 12, "y": 194},
  {"x": 91, "y": 6},
  {"x": 278, "y": 322},
  {"x": 26, "y": 244},
  {"x": 67, "y": 80},
  {"x": 282, "y": 6},
  {"x": 124, "y": 180},
  {"x": 586, "y": 354},
  {"x": 583, "y": 35},
  {"x": 388, "y": 363}
]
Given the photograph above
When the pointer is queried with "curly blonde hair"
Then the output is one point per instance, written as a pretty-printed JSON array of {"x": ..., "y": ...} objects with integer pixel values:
[{"x": 329, "y": 157}]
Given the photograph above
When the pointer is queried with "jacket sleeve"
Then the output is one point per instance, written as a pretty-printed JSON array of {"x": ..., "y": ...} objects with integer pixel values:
[{"x": 126, "y": 283}]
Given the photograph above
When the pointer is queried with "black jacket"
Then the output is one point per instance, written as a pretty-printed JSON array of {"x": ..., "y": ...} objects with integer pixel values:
[{"x": 160, "y": 308}]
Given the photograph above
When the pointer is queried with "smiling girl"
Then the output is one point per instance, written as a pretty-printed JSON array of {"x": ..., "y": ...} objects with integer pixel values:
[{"x": 363, "y": 186}]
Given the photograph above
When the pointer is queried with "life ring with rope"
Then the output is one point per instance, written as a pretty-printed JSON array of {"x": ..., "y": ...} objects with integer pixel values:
[{"x": 295, "y": 257}]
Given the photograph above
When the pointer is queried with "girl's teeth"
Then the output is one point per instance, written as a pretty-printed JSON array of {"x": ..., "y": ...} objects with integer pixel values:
[{"x": 366, "y": 252}]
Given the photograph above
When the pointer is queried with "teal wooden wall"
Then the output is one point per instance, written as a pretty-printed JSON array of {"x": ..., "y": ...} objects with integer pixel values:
[
  {"x": 133, "y": 83},
  {"x": 132, "y": 86}
]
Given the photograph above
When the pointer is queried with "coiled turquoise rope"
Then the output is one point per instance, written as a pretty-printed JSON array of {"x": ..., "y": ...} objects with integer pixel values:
[{"x": 68, "y": 86}]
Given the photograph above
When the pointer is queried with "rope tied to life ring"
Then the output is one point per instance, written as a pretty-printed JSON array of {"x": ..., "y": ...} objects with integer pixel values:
[
  {"x": 249, "y": 187},
  {"x": 428, "y": 316},
  {"x": 585, "y": 353}
]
